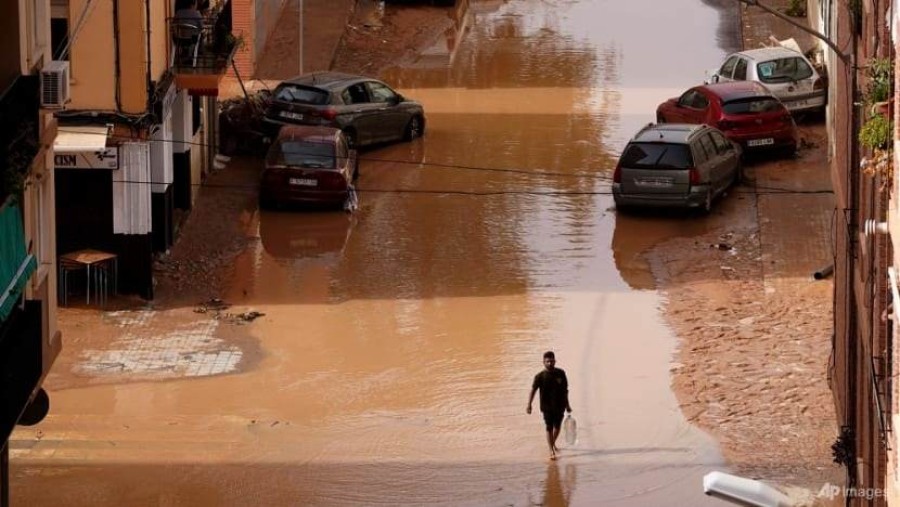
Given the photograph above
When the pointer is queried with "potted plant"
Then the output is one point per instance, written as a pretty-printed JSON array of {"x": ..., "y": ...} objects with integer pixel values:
[
  {"x": 797, "y": 8},
  {"x": 877, "y": 136},
  {"x": 880, "y": 78}
]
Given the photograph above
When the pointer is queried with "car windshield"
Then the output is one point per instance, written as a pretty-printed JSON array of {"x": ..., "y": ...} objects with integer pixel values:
[
  {"x": 302, "y": 154},
  {"x": 300, "y": 95},
  {"x": 657, "y": 156},
  {"x": 752, "y": 106},
  {"x": 783, "y": 70}
]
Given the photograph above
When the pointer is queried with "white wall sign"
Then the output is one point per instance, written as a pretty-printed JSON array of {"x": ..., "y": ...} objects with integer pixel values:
[{"x": 101, "y": 159}]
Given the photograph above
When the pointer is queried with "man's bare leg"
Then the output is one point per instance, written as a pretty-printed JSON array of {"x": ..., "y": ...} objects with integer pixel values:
[
  {"x": 550, "y": 444},
  {"x": 555, "y": 436}
]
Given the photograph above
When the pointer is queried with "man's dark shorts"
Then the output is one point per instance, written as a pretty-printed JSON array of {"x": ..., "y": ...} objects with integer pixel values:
[{"x": 553, "y": 420}]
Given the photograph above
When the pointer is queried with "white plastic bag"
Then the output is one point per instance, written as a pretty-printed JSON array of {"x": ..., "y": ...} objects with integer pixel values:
[{"x": 570, "y": 430}]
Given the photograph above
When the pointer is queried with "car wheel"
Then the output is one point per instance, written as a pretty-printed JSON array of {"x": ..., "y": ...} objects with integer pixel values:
[
  {"x": 350, "y": 136},
  {"x": 707, "y": 202},
  {"x": 266, "y": 203},
  {"x": 414, "y": 129},
  {"x": 790, "y": 151},
  {"x": 351, "y": 203}
]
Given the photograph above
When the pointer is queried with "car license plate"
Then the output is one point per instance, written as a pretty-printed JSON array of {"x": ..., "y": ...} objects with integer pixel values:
[
  {"x": 761, "y": 142},
  {"x": 305, "y": 182},
  {"x": 794, "y": 104},
  {"x": 291, "y": 115},
  {"x": 655, "y": 182}
]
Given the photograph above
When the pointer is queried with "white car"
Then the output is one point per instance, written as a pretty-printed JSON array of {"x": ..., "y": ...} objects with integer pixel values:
[{"x": 785, "y": 72}]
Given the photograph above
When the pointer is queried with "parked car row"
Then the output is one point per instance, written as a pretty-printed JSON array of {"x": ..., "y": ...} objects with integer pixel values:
[
  {"x": 694, "y": 151},
  {"x": 316, "y": 122}
]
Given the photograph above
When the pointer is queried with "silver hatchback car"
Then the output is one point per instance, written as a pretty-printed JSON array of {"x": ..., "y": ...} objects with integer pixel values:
[
  {"x": 676, "y": 165},
  {"x": 785, "y": 72}
]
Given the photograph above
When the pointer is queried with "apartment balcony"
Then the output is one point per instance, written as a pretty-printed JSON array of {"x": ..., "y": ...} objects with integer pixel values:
[{"x": 202, "y": 51}]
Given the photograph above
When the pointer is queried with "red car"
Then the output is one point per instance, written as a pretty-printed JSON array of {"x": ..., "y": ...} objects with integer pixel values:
[
  {"x": 308, "y": 165},
  {"x": 745, "y": 111}
]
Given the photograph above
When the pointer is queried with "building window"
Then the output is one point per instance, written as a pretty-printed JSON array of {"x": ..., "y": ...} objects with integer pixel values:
[{"x": 38, "y": 19}]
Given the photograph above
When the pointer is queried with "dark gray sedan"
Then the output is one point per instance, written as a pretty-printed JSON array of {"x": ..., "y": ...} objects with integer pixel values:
[{"x": 367, "y": 110}]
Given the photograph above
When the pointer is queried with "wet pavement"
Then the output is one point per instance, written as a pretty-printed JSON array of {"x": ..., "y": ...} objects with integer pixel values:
[{"x": 398, "y": 344}]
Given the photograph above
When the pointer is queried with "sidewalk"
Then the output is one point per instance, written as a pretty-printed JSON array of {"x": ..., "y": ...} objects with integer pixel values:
[
  {"x": 324, "y": 22},
  {"x": 793, "y": 249}
]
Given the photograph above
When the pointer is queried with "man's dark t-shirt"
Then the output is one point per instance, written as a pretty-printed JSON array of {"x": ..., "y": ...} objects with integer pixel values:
[{"x": 554, "y": 387}]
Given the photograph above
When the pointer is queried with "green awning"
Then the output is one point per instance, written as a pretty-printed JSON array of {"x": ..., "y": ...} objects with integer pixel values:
[{"x": 16, "y": 265}]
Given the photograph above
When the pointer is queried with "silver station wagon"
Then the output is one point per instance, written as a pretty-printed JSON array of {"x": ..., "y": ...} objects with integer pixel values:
[{"x": 675, "y": 165}]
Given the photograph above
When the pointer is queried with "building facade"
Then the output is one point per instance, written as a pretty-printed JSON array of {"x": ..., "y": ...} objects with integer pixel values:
[
  {"x": 138, "y": 126},
  {"x": 255, "y": 20},
  {"x": 892, "y": 217},
  {"x": 29, "y": 338},
  {"x": 863, "y": 362}
]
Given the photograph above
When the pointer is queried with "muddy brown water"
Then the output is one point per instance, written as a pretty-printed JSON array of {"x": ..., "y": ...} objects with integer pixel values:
[{"x": 399, "y": 343}]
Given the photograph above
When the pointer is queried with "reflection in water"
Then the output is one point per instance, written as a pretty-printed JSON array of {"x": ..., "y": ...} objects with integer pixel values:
[
  {"x": 508, "y": 51},
  {"x": 557, "y": 491},
  {"x": 636, "y": 232},
  {"x": 305, "y": 235}
]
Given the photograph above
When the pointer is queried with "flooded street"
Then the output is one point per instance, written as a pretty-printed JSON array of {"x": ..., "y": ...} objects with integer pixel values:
[{"x": 393, "y": 362}]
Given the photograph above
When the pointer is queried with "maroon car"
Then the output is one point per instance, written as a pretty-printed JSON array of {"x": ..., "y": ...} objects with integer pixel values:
[
  {"x": 745, "y": 111},
  {"x": 308, "y": 165}
]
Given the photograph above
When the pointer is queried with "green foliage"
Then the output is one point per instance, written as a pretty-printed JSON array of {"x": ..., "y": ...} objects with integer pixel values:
[
  {"x": 876, "y": 133},
  {"x": 797, "y": 9},
  {"x": 15, "y": 165},
  {"x": 880, "y": 76}
]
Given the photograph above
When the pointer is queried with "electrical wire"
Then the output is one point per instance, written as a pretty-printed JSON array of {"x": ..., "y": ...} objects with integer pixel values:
[
  {"x": 85, "y": 12},
  {"x": 767, "y": 190}
]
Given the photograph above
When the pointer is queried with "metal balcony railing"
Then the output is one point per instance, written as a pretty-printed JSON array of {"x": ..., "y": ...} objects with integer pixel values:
[{"x": 203, "y": 47}]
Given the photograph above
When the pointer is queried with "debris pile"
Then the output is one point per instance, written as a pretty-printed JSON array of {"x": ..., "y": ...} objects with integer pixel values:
[{"x": 217, "y": 307}]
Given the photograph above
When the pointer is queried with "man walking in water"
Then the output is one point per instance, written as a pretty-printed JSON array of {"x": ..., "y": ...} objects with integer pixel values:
[{"x": 554, "y": 387}]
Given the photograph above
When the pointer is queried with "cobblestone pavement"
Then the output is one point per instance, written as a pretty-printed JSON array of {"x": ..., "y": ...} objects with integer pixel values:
[{"x": 756, "y": 340}]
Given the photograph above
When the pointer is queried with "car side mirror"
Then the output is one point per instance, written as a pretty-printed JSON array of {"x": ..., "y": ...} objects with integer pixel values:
[{"x": 397, "y": 99}]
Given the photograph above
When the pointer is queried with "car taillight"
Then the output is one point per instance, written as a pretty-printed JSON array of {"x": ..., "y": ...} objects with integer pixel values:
[
  {"x": 332, "y": 180},
  {"x": 329, "y": 113},
  {"x": 617, "y": 174},
  {"x": 819, "y": 84},
  {"x": 695, "y": 176},
  {"x": 726, "y": 125}
]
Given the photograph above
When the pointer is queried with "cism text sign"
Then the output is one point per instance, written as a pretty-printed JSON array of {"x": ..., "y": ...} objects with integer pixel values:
[{"x": 102, "y": 159}]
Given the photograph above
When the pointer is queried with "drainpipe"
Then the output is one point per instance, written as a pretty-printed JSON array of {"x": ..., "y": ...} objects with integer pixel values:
[
  {"x": 118, "y": 77},
  {"x": 852, "y": 229},
  {"x": 150, "y": 93}
]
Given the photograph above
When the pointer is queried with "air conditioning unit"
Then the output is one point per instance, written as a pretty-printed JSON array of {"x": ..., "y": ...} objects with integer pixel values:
[{"x": 55, "y": 84}]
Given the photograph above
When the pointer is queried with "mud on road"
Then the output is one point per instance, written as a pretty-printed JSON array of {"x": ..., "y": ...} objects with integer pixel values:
[{"x": 755, "y": 327}]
